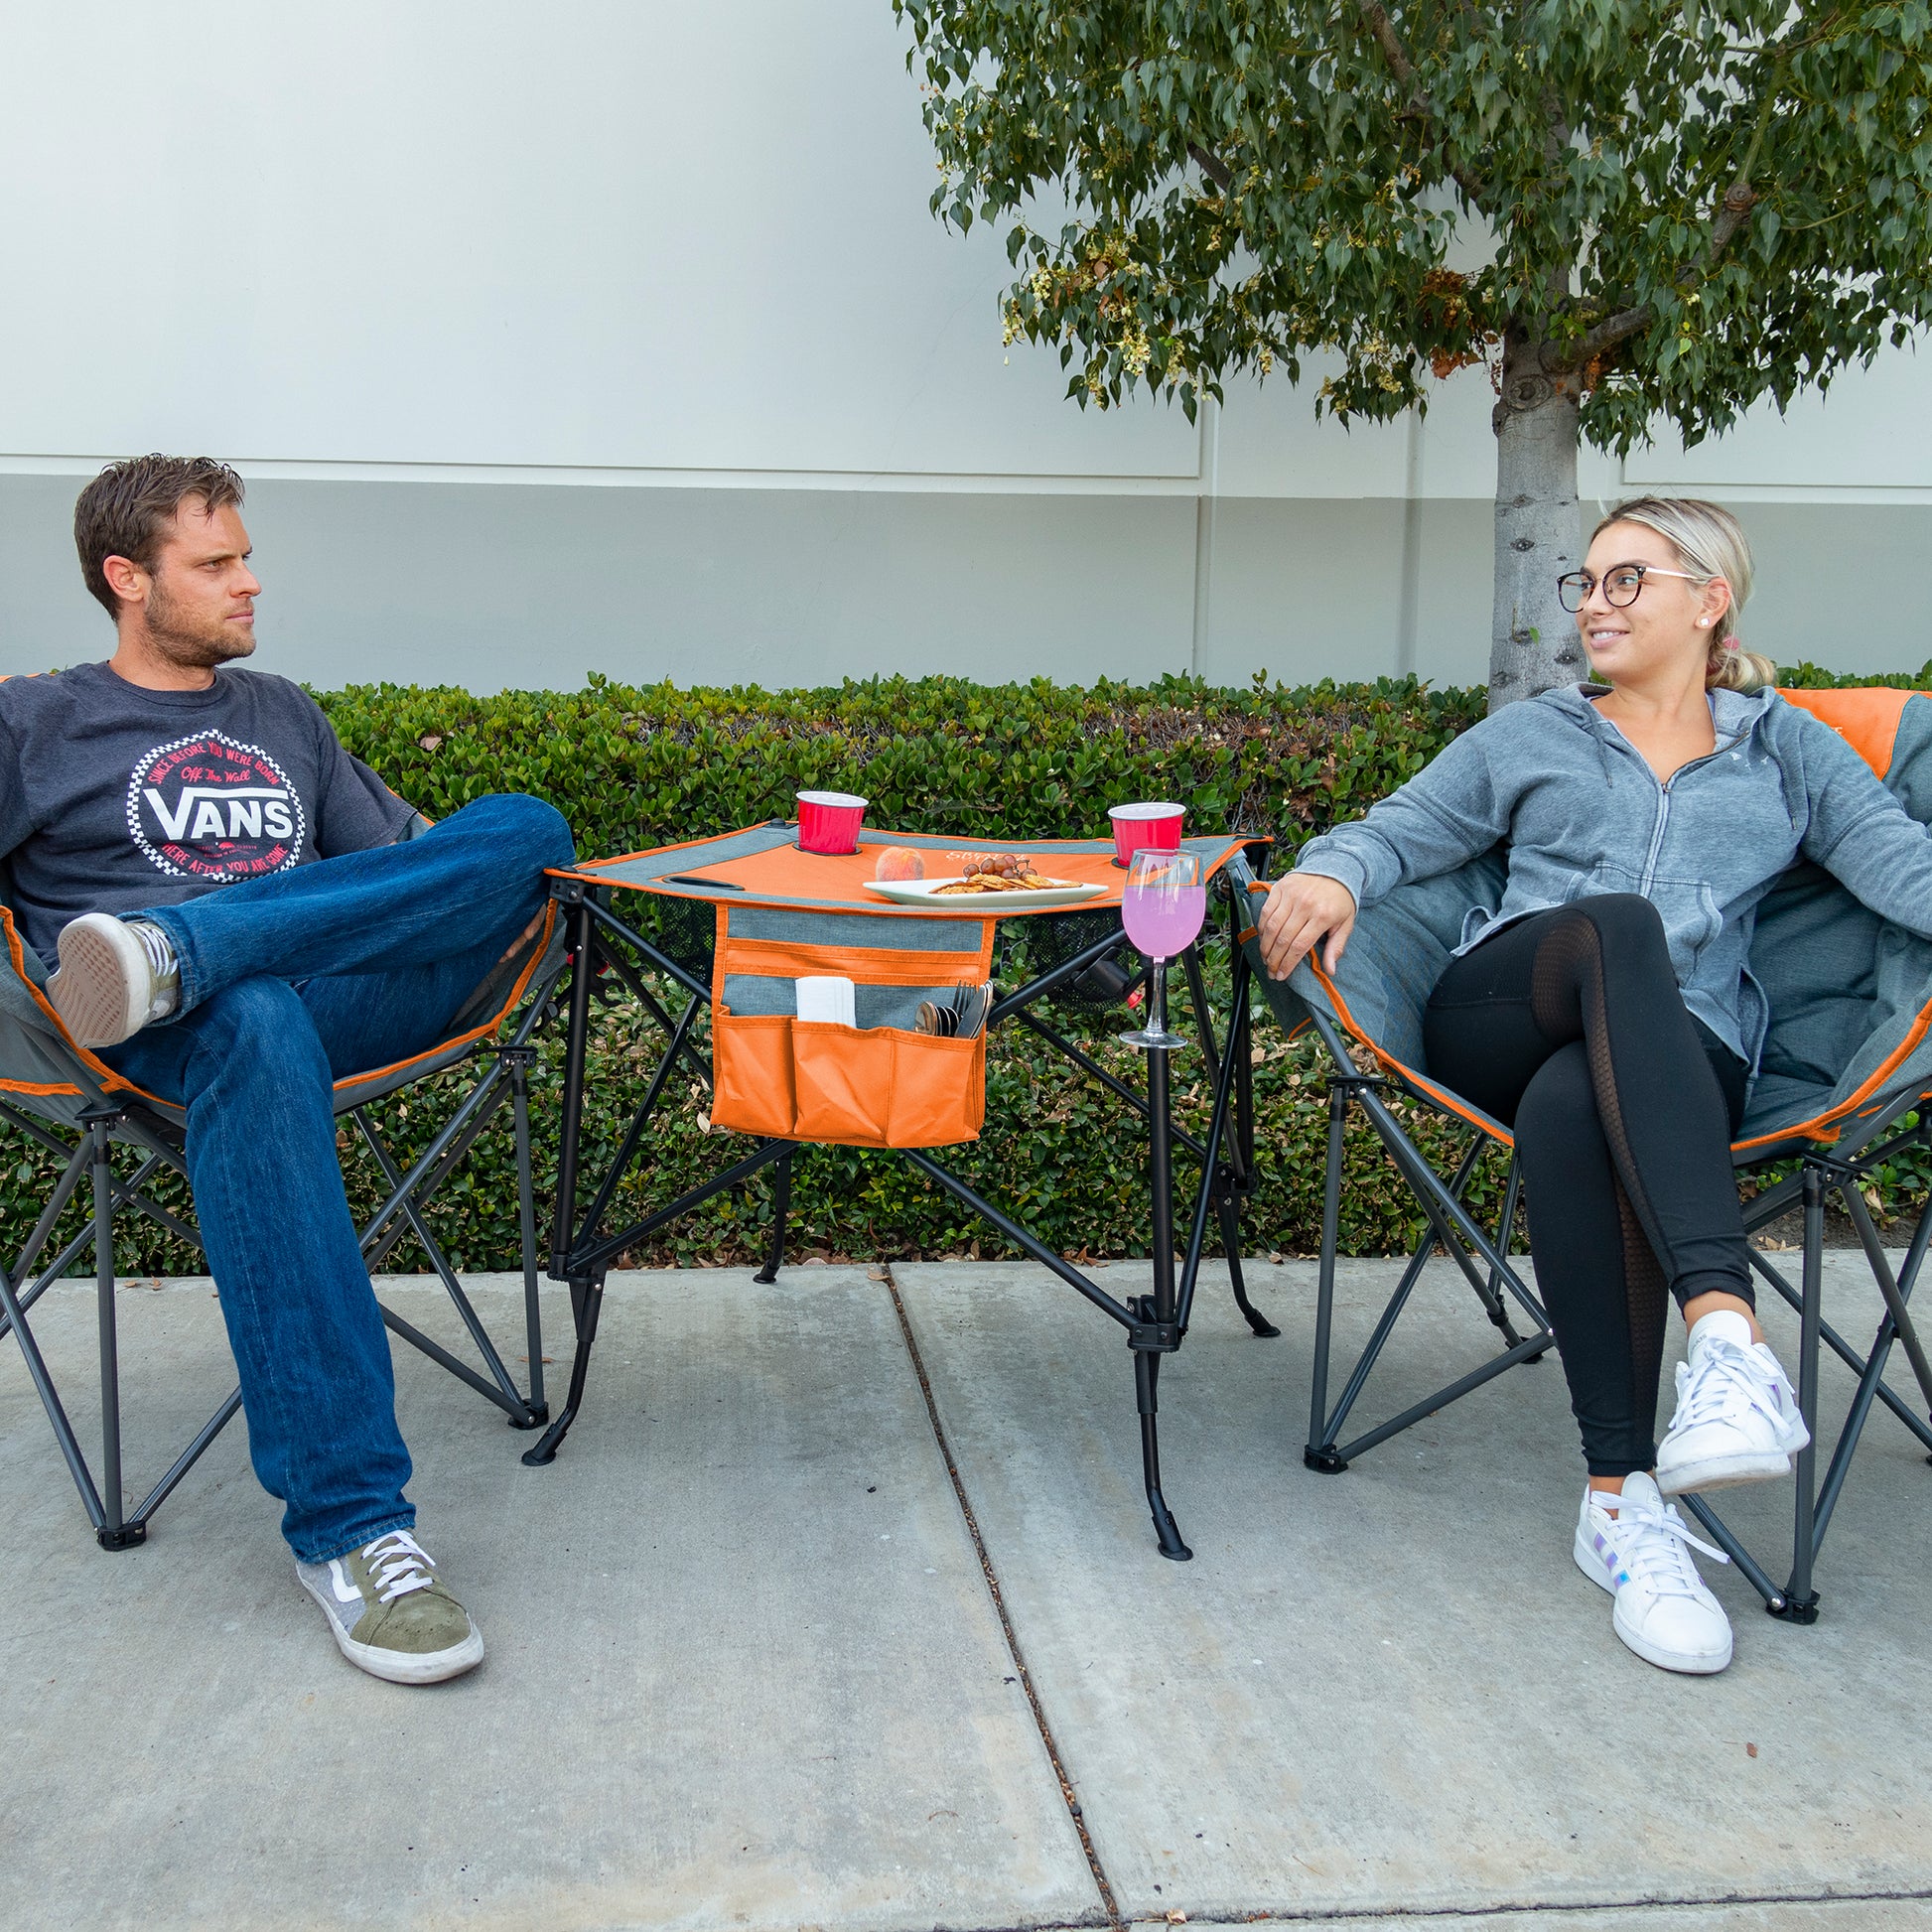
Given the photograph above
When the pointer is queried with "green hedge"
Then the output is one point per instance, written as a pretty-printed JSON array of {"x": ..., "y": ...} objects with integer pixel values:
[
  {"x": 1808, "y": 677},
  {"x": 637, "y": 766},
  {"x": 632, "y": 767}
]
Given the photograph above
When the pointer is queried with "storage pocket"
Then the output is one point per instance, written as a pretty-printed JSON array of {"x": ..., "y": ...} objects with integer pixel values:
[
  {"x": 843, "y": 1078},
  {"x": 939, "y": 1091},
  {"x": 881, "y": 1086},
  {"x": 849, "y": 1086},
  {"x": 752, "y": 1079},
  {"x": 1687, "y": 907},
  {"x": 876, "y": 1084}
]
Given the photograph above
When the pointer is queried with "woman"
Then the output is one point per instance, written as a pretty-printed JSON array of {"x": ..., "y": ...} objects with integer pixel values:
[{"x": 1607, "y": 1012}]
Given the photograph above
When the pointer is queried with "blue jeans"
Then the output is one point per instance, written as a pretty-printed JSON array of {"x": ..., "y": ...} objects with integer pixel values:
[{"x": 289, "y": 983}]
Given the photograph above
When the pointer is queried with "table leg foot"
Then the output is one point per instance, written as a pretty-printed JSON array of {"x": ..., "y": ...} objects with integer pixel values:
[
  {"x": 774, "y": 1258},
  {"x": 1231, "y": 1241},
  {"x": 589, "y": 1298},
  {"x": 1166, "y": 1533}
]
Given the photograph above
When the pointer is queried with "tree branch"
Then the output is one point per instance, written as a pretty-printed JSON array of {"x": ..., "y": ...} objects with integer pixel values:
[
  {"x": 1397, "y": 55},
  {"x": 1612, "y": 331},
  {"x": 1739, "y": 198},
  {"x": 1731, "y": 213},
  {"x": 1419, "y": 104},
  {"x": 1212, "y": 166}
]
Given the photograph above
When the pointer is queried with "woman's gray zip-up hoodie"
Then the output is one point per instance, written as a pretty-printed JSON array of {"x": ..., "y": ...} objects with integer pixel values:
[{"x": 1582, "y": 813}]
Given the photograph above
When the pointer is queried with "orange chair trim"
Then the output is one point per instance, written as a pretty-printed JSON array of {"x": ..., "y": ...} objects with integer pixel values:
[
  {"x": 110, "y": 1081},
  {"x": 1866, "y": 718},
  {"x": 483, "y": 1028},
  {"x": 115, "y": 1082},
  {"x": 1442, "y": 1096},
  {"x": 1820, "y": 1127},
  {"x": 1823, "y": 1127}
]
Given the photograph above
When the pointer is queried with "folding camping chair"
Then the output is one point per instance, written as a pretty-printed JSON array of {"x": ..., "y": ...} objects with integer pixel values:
[
  {"x": 51, "y": 1088},
  {"x": 1846, "y": 1067}
]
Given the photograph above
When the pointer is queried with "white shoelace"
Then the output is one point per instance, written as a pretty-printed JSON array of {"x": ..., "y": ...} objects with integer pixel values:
[
  {"x": 397, "y": 1565},
  {"x": 157, "y": 945},
  {"x": 1650, "y": 1544},
  {"x": 165, "y": 967},
  {"x": 1722, "y": 1376}
]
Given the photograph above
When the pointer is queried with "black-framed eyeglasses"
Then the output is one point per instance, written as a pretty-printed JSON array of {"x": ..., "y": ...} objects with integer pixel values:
[{"x": 1622, "y": 584}]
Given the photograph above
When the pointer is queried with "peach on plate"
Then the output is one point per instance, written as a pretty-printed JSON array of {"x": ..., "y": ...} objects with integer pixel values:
[{"x": 898, "y": 862}]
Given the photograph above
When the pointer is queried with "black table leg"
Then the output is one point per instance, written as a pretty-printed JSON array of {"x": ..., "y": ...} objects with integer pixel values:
[
  {"x": 586, "y": 1293},
  {"x": 774, "y": 1257},
  {"x": 1234, "y": 1179},
  {"x": 585, "y": 1303},
  {"x": 1231, "y": 1240},
  {"x": 583, "y": 970},
  {"x": 1157, "y": 1332}
]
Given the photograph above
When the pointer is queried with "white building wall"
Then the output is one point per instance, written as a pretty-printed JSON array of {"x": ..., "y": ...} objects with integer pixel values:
[{"x": 616, "y": 335}]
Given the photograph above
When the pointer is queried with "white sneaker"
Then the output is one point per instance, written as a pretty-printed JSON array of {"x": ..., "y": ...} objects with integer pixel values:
[
  {"x": 1663, "y": 1610},
  {"x": 1737, "y": 1418},
  {"x": 115, "y": 975}
]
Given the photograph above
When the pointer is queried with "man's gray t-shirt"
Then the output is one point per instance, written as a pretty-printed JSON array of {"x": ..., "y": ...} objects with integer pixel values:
[{"x": 114, "y": 797}]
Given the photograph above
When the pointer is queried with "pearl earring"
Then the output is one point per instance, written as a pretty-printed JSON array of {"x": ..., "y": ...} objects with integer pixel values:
[{"x": 1703, "y": 624}]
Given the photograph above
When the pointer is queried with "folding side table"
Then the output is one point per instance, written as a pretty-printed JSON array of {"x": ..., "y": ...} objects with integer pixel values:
[{"x": 763, "y": 910}]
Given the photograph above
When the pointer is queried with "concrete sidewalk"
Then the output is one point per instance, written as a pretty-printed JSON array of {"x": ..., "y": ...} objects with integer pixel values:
[{"x": 793, "y": 1634}]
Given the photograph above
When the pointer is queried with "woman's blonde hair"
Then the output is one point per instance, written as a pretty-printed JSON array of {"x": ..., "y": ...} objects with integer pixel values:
[{"x": 1709, "y": 542}]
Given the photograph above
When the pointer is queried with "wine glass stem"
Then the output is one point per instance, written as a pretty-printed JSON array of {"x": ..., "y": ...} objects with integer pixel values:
[{"x": 1160, "y": 1024}]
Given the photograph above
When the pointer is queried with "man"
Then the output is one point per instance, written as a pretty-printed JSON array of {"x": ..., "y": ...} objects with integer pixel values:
[{"x": 236, "y": 926}]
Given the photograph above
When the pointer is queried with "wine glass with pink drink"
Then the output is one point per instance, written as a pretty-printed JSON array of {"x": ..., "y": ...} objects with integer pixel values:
[{"x": 1161, "y": 909}]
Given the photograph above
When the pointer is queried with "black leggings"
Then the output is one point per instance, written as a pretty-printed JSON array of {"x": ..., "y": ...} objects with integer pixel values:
[{"x": 1568, "y": 1026}]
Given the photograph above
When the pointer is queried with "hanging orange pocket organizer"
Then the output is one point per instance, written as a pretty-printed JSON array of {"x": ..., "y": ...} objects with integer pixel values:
[{"x": 879, "y": 1082}]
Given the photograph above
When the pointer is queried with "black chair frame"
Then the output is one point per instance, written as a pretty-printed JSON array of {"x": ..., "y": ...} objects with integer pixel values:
[
  {"x": 154, "y": 1144},
  {"x": 1482, "y": 1256}
]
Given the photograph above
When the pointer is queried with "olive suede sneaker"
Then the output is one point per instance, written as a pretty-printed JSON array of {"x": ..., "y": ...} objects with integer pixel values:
[
  {"x": 115, "y": 976},
  {"x": 391, "y": 1616}
]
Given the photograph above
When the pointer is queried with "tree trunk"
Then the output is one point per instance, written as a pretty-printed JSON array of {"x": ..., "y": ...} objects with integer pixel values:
[{"x": 1532, "y": 644}]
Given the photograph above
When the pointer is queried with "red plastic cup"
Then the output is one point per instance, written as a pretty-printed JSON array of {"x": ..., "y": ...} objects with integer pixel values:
[
  {"x": 829, "y": 821},
  {"x": 1139, "y": 828}
]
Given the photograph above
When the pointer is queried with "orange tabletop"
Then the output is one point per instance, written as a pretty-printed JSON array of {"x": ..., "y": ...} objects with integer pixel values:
[{"x": 762, "y": 865}]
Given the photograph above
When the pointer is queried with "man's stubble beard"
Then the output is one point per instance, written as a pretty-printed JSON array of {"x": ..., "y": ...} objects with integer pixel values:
[{"x": 172, "y": 634}]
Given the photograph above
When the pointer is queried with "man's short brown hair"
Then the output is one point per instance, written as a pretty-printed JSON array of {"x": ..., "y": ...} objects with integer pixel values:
[{"x": 126, "y": 511}]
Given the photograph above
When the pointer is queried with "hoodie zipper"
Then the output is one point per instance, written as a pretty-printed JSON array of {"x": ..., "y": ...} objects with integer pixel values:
[
  {"x": 1656, "y": 836},
  {"x": 1663, "y": 797}
]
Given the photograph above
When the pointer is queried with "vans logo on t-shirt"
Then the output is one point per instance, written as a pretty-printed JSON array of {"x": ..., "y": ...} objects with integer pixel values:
[{"x": 208, "y": 808}]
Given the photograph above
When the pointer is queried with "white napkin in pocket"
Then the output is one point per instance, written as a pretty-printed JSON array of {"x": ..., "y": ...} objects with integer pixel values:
[{"x": 827, "y": 998}]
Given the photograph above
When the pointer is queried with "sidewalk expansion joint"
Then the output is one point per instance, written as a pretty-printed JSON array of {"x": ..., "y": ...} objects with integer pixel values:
[
  {"x": 1073, "y": 1809},
  {"x": 1507, "y": 1909}
]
